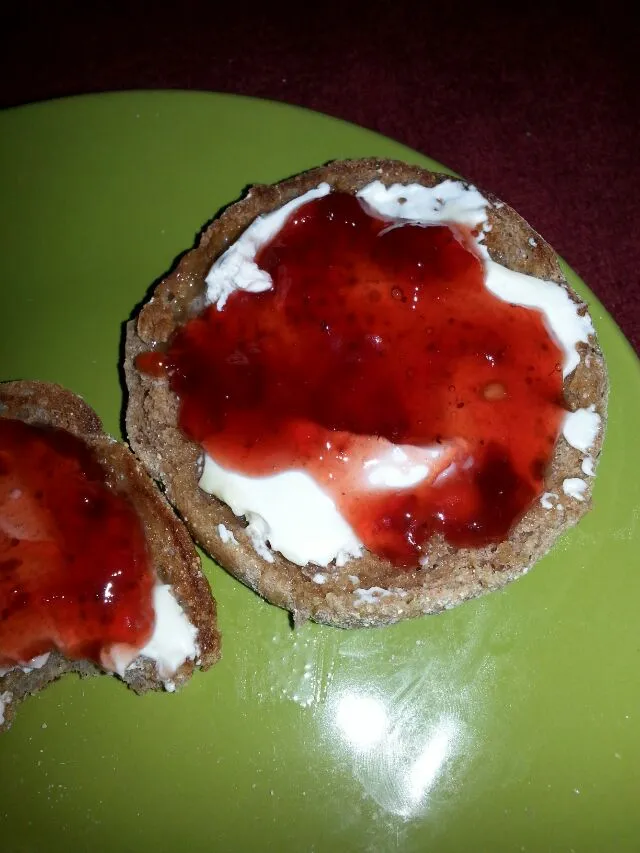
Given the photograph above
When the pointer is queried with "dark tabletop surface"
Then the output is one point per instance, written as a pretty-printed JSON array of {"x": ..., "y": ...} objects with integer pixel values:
[{"x": 539, "y": 105}]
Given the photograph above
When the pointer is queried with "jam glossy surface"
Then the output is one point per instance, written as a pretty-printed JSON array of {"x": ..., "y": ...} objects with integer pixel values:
[
  {"x": 74, "y": 570},
  {"x": 377, "y": 334}
]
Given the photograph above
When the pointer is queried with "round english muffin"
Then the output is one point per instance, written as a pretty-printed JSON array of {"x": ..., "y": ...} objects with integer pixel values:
[{"x": 367, "y": 590}]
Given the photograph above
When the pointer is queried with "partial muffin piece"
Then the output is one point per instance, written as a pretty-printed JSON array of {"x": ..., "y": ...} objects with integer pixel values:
[{"x": 54, "y": 427}]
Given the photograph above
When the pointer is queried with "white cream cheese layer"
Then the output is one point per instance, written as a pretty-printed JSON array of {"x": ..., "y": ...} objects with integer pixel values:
[
  {"x": 580, "y": 428},
  {"x": 300, "y": 520},
  {"x": 574, "y": 488},
  {"x": 35, "y": 663},
  {"x": 289, "y": 512},
  {"x": 5, "y": 699},
  {"x": 236, "y": 268},
  {"x": 172, "y": 643},
  {"x": 453, "y": 202}
]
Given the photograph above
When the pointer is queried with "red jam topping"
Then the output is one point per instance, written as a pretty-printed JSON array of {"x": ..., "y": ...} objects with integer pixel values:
[
  {"x": 376, "y": 332},
  {"x": 74, "y": 570}
]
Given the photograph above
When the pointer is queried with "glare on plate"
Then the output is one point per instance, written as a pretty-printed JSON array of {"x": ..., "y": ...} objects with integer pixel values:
[{"x": 362, "y": 719}]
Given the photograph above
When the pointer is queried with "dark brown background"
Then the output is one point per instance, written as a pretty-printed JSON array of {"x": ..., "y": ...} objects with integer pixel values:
[{"x": 538, "y": 105}]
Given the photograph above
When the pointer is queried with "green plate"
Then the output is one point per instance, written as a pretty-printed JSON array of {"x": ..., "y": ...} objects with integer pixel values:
[{"x": 508, "y": 724}]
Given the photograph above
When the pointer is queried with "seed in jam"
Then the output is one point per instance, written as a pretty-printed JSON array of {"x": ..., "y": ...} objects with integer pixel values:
[
  {"x": 74, "y": 570},
  {"x": 153, "y": 363},
  {"x": 377, "y": 334},
  {"x": 495, "y": 391}
]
